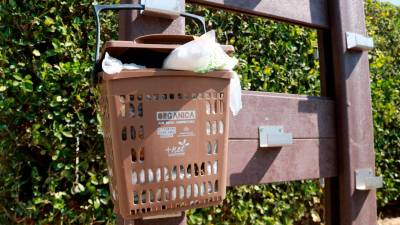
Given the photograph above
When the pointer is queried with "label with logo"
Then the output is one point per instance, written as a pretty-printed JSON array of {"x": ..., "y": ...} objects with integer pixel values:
[{"x": 179, "y": 149}]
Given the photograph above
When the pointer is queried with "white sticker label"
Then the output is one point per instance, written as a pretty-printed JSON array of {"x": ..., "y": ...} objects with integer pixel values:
[
  {"x": 166, "y": 132},
  {"x": 176, "y": 115}
]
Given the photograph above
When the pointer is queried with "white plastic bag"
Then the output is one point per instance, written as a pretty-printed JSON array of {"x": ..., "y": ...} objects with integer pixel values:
[
  {"x": 112, "y": 65},
  {"x": 235, "y": 94},
  {"x": 203, "y": 55}
]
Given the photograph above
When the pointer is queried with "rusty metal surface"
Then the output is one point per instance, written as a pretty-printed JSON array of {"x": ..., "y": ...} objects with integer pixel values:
[
  {"x": 132, "y": 25},
  {"x": 303, "y": 116},
  {"x": 311, "y": 13},
  {"x": 305, "y": 159},
  {"x": 354, "y": 114}
]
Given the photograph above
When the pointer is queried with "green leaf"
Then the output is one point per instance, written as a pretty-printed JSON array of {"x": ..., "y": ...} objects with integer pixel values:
[
  {"x": 36, "y": 52},
  {"x": 67, "y": 134}
]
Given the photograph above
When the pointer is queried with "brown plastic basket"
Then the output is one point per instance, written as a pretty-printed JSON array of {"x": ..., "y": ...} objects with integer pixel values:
[
  {"x": 165, "y": 132},
  {"x": 165, "y": 135}
]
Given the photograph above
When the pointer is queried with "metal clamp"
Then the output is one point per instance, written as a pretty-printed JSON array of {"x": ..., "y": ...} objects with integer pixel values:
[
  {"x": 365, "y": 180},
  {"x": 273, "y": 136},
  {"x": 359, "y": 42}
]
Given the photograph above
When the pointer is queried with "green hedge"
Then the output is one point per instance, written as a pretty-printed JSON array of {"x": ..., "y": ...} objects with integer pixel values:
[
  {"x": 46, "y": 101},
  {"x": 383, "y": 23}
]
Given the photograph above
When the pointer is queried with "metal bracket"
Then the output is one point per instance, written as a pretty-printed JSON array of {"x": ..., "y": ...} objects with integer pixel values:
[
  {"x": 365, "y": 180},
  {"x": 273, "y": 136},
  {"x": 359, "y": 42},
  {"x": 170, "y": 9}
]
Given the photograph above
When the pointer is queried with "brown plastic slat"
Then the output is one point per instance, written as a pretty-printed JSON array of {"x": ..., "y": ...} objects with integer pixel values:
[
  {"x": 354, "y": 115},
  {"x": 303, "y": 116},
  {"x": 305, "y": 159},
  {"x": 311, "y": 13}
]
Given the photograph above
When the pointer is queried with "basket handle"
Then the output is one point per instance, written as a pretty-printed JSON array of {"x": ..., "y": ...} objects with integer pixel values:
[{"x": 98, "y": 8}]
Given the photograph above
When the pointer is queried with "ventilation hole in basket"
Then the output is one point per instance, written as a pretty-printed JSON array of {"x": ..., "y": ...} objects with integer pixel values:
[
  {"x": 210, "y": 187},
  {"x": 141, "y": 132},
  {"x": 180, "y": 96},
  {"x": 195, "y": 190},
  {"x": 194, "y": 95},
  {"x": 158, "y": 195},
  {"x": 182, "y": 172},
  {"x": 131, "y": 110},
  {"x": 131, "y": 98},
  {"x": 215, "y": 147},
  {"x": 142, "y": 177},
  {"x": 208, "y": 107},
  {"x": 189, "y": 171},
  {"x": 196, "y": 170},
  {"x": 141, "y": 155},
  {"x": 214, "y": 127},
  {"x": 156, "y": 97},
  {"x": 123, "y": 134},
  {"x": 148, "y": 209},
  {"x": 140, "y": 109},
  {"x": 133, "y": 133},
  {"x": 164, "y": 97},
  {"x": 208, "y": 128},
  {"x": 158, "y": 175},
  {"x": 215, "y": 167},
  {"x": 143, "y": 210},
  {"x": 122, "y": 107},
  {"x": 186, "y": 96},
  {"x": 150, "y": 175},
  {"x": 221, "y": 127},
  {"x": 202, "y": 189},
  {"x": 189, "y": 191},
  {"x": 214, "y": 107},
  {"x": 202, "y": 169},
  {"x": 135, "y": 198},
  {"x": 166, "y": 194},
  {"x": 134, "y": 177},
  {"x": 173, "y": 173},
  {"x": 221, "y": 106},
  {"x": 216, "y": 186},
  {"x": 166, "y": 174},
  {"x": 133, "y": 212},
  {"x": 209, "y": 148},
  {"x": 172, "y": 96},
  {"x": 173, "y": 194},
  {"x": 209, "y": 168},
  {"x": 164, "y": 207},
  {"x": 152, "y": 197},
  {"x": 144, "y": 197},
  {"x": 181, "y": 192},
  {"x": 140, "y": 97},
  {"x": 148, "y": 97}
]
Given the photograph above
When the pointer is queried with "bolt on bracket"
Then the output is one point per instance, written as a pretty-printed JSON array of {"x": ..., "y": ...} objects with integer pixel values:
[
  {"x": 359, "y": 42},
  {"x": 274, "y": 136},
  {"x": 365, "y": 180}
]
